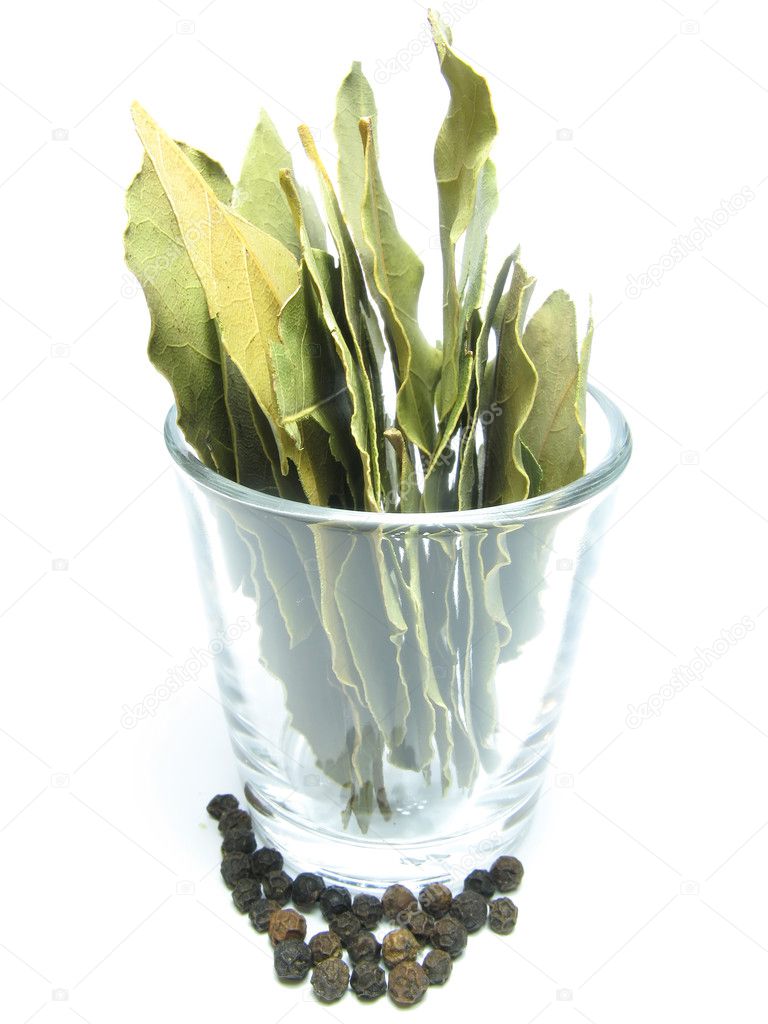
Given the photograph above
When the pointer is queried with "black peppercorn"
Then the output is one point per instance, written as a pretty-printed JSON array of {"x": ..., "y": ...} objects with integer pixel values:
[
  {"x": 507, "y": 873},
  {"x": 450, "y": 935},
  {"x": 260, "y": 913},
  {"x": 438, "y": 966},
  {"x": 238, "y": 840},
  {"x": 245, "y": 894},
  {"x": 368, "y": 980},
  {"x": 293, "y": 959},
  {"x": 408, "y": 982},
  {"x": 436, "y": 899},
  {"x": 330, "y": 980},
  {"x": 502, "y": 916},
  {"x": 234, "y": 867},
  {"x": 399, "y": 945},
  {"x": 286, "y": 924},
  {"x": 364, "y": 946},
  {"x": 265, "y": 861},
  {"x": 324, "y": 945},
  {"x": 480, "y": 881},
  {"x": 345, "y": 925},
  {"x": 277, "y": 886},
  {"x": 368, "y": 908},
  {"x": 471, "y": 909},
  {"x": 334, "y": 900},
  {"x": 234, "y": 819},
  {"x": 220, "y": 804},
  {"x": 397, "y": 900},
  {"x": 307, "y": 889},
  {"x": 421, "y": 924}
]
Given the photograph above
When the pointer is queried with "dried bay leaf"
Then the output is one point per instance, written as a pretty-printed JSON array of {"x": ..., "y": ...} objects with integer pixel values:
[
  {"x": 552, "y": 431},
  {"x": 463, "y": 144},
  {"x": 183, "y": 344},
  {"x": 514, "y": 393}
]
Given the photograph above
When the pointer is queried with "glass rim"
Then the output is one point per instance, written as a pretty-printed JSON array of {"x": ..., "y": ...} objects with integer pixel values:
[{"x": 595, "y": 480}]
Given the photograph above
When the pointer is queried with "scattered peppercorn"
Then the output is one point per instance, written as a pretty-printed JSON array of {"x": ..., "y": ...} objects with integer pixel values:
[
  {"x": 234, "y": 867},
  {"x": 324, "y": 945},
  {"x": 330, "y": 980},
  {"x": 502, "y": 916},
  {"x": 260, "y": 913},
  {"x": 335, "y": 899},
  {"x": 421, "y": 924},
  {"x": 287, "y": 924},
  {"x": 221, "y": 804},
  {"x": 398, "y": 945},
  {"x": 277, "y": 886},
  {"x": 245, "y": 893},
  {"x": 234, "y": 819},
  {"x": 438, "y": 966},
  {"x": 436, "y": 899},
  {"x": 471, "y": 909},
  {"x": 364, "y": 946},
  {"x": 368, "y": 908},
  {"x": 507, "y": 873},
  {"x": 293, "y": 959},
  {"x": 449, "y": 934},
  {"x": 307, "y": 889},
  {"x": 238, "y": 840},
  {"x": 396, "y": 900},
  {"x": 408, "y": 982},
  {"x": 368, "y": 980},
  {"x": 345, "y": 925},
  {"x": 265, "y": 861},
  {"x": 480, "y": 881}
]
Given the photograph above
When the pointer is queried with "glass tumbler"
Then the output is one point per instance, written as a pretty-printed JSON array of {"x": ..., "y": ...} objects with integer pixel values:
[{"x": 392, "y": 682}]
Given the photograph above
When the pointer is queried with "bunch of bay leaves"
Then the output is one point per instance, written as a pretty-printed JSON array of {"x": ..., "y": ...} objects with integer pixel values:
[{"x": 281, "y": 349}]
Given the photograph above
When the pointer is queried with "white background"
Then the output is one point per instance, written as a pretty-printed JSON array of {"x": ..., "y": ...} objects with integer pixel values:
[{"x": 645, "y": 892}]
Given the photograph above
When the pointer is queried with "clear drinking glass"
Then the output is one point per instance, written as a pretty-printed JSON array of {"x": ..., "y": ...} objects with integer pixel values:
[{"x": 392, "y": 682}]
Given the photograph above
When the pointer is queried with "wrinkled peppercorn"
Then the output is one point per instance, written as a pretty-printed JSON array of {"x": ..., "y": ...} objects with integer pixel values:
[
  {"x": 399, "y": 945},
  {"x": 265, "y": 861},
  {"x": 368, "y": 980},
  {"x": 324, "y": 945},
  {"x": 364, "y": 946},
  {"x": 238, "y": 840},
  {"x": 480, "y": 881},
  {"x": 502, "y": 916},
  {"x": 222, "y": 803},
  {"x": 234, "y": 819},
  {"x": 286, "y": 924},
  {"x": 234, "y": 867},
  {"x": 245, "y": 893},
  {"x": 293, "y": 959},
  {"x": 397, "y": 900},
  {"x": 436, "y": 899},
  {"x": 345, "y": 925},
  {"x": 334, "y": 900},
  {"x": 438, "y": 965},
  {"x": 471, "y": 909},
  {"x": 408, "y": 982},
  {"x": 260, "y": 913},
  {"x": 307, "y": 889},
  {"x": 277, "y": 886},
  {"x": 330, "y": 980},
  {"x": 507, "y": 873},
  {"x": 421, "y": 924},
  {"x": 368, "y": 908},
  {"x": 450, "y": 935}
]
